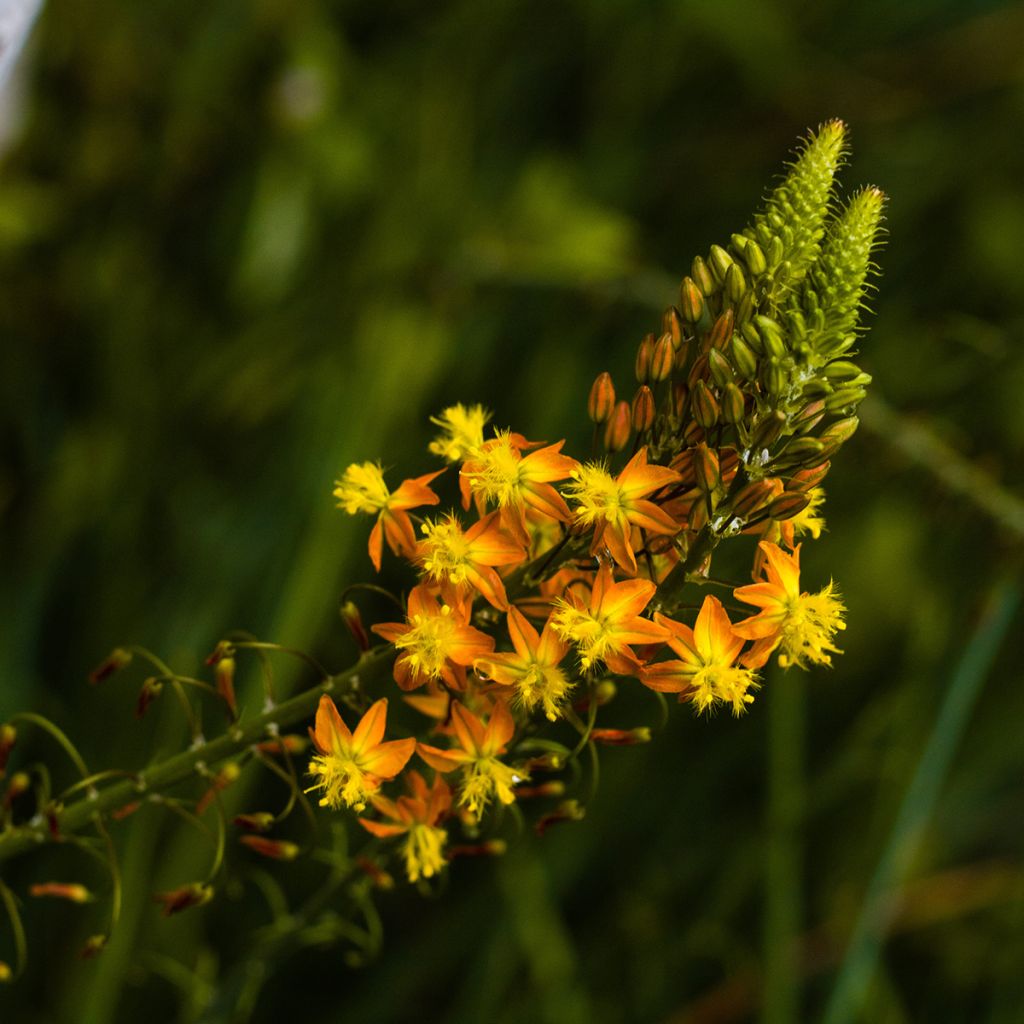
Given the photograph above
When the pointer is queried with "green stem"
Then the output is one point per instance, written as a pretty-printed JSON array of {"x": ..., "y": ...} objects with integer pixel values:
[{"x": 182, "y": 766}]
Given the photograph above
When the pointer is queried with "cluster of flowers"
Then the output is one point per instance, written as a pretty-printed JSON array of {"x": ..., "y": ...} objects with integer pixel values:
[{"x": 567, "y": 573}]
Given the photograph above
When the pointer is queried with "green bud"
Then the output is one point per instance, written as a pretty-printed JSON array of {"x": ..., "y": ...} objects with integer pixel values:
[
  {"x": 771, "y": 335},
  {"x": 703, "y": 277},
  {"x": 734, "y": 405},
  {"x": 775, "y": 377},
  {"x": 735, "y": 284},
  {"x": 722, "y": 330},
  {"x": 743, "y": 358},
  {"x": 846, "y": 400},
  {"x": 745, "y": 307},
  {"x": 769, "y": 430},
  {"x": 776, "y": 250},
  {"x": 841, "y": 370},
  {"x": 721, "y": 371},
  {"x": 753, "y": 256},
  {"x": 691, "y": 300},
  {"x": 704, "y": 404},
  {"x": 720, "y": 262},
  {"x": 752, "y": 337}
]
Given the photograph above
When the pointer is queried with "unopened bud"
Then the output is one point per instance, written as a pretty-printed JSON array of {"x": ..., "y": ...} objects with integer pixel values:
[
  {"x": 704, "y": 404},
  {"x": 706, "y": 468},
  {"x": 643, "y": 409},
  {"x": 114, "y": 662},
  {"x": 126, "y": 810},
  {"x": 546, "y": 789},
  {"x": 672, "y": 323},
  {"x": 621, "y": 737},
  {"x": 752, "y": 338},
  {"x": 691, "y": 300},
  {"x": 680, "y": 396},
  {"x": 721, "y": 332},
  {"x": 380, "y": 878},
  {"x": 734, "y": 405},
  {"x": 19, "y": 783},
  {"x": 846, "y": 400},
  {"x": 94, "y": 945},
  {"x": 224, "y": 674},
  {"x": 662, "y": 358},
  {"x": 771, "y": 336},
  {"x": 805, "y": 479},
  {"x": 151, "y": 689},
  {"x": 775, "y": 377},
  {"x": 743, "y": 357},
  {"x": 776, "y": 250},
  {"x": 568, "y": 810},
  {"x": 617, "y": 429},
  {"x": 490, "y": 848},
  {"x": 550, "y": 762},
  {"x": 787, "y": 505},
  {"x": 275, "y": 849},
  {"x": 71, "y": 891},
  {"x": 805, "y": 451},
  {"x": 643, "y": 359},
  {"x": 841, "y": 370},
  {"x": 225, "y": 649},
  {"x": 840, "y": 432},
  {"x": 8, "y": 737},
  {"x": 602, "y": 398},
  {"x": 258, "y": 821},
  {"x": 703, "y": 277},
  {"x": 753, "y": 497},
  {"x": 721, "y": 371},
  {"x": 290, "y": 744},
  {"x": 735, "y": 284},
  {"x": 224, "y": 778},
  {"x": 176, "y": 900},
  {"x": 744, "y": 309},
  {"x": 719, "y": 261},
  {"x": 769, "y": 430},
  {"x": 808, "y": 417},
  {"x": 353, "y": 620},
  {"x": 754, "y": 257}
]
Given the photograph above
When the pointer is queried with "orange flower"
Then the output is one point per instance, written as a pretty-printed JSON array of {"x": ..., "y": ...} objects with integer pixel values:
[
  {"x": 604, "y": 631},
  {"x": 483, "y": 775},
  {"x": 458, "y": 559},
  {"x": 498, "y": 473},
  {"x": 532, "y": 669},
  {"x": 350, "y": 766},
  {"x": 416, "y": 817},
  {"x": 362, "y": 489},
  {"x": 613, "y": 506},
  {"x": 802, "y": 624},
  {"x": 706, "y": 671},
  {"x": 435, "y": 642}
]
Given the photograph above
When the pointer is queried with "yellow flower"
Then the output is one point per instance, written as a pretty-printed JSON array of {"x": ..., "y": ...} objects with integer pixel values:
[
  {"x": 416, "y": 817},
  {"x": 462, "y": 431},
  {"x": 614, "y": 505},
  {"x": 350, "y": 766},
  {"x": 532, "y": 668},
  {"x": 459, "y": 559},
  {"x": 480, "y": 746},
  {"x": 361, "y": 489},
  {"x": 435, "y": 642},
  {"x": 604, "y": 630},
  {"x": 706, "y": 670},
  {"x": 498, "y": 473},
  {"x": 802, "y": 625}
]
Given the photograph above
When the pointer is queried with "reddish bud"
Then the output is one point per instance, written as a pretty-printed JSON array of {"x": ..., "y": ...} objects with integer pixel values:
[
  {"x": 258, "y": 821},
  {"x": 601, "y": 403},
  {"x": 789, "y": 504},
  {"x": 19, "y": 784},
  {"x": 706, "y": 468},
  {"x": 94, "y": 945},
  {"x": 642, "y": 413},
  {"x": 224, "y": 675},
  {"x": 753, "y": 498},
  {"x": 126, "y": 810},
  {"x": 705, "y": 405},
  {"x": 114, "y": 662},
  {"x": 662, "y": 358},
  {"x": 617, "y": 429},
  {"x": 380, "y": 878},
  {"x": 490, "y": 848},
  {"x": 228, "y": 774},
  {"x": 734, "y": 405},
  {"x": 805, "y": 479},
  {"x": 643, "y": 359},
  {"x": 151, "y": 689},
  {"x": 722, "y": 330},
  {"x": 193, "y": 895},
  {"x": 568, "y": 810},
  {"x": 621, "y": 737},
  {"x": 691, "y": 300},
  {"x": 672, "y": 323},
  {"x": 8, "y": 737},
  {"x": 290, "y": 744},
  {"x": 275, "y": 849},
  {"x": 71, "y": 891},
  {"x": 223, "y": 650},
  {"x": 546, "y": 789},
  {"x": 353, "y": 620}
]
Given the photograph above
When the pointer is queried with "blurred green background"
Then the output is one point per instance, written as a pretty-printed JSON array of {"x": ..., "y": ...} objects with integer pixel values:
[{"x": 245, "y": 242}]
